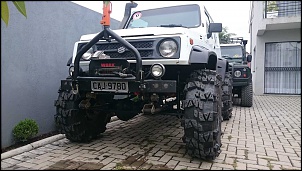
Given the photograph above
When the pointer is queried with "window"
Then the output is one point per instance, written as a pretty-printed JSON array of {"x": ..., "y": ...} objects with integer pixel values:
[
  {"x": 185, "y": 15},
  {"x": 207, "y": 22},
  {"x": 283, "y": 68}
]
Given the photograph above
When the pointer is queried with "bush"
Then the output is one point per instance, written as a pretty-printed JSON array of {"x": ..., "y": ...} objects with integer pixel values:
[{"x": 25, "y": 130}]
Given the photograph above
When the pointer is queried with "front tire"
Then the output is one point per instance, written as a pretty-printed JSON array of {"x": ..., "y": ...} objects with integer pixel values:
[
  {"x": 202, "y": 114},
  {"x": 247, "y": 95},
  {"x": 77, "y": 124}
]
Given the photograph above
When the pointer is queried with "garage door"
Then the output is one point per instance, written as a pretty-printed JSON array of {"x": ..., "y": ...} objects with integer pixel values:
[{"x": 283, "y": 68}]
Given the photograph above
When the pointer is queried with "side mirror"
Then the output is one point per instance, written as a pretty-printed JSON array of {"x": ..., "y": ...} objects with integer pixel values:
[
  {"x": 69, "y": 61},
  {"x": 214, "y": 28},
  {"x": 249, "y": 58},
  {"x": 244, "y": 42}
]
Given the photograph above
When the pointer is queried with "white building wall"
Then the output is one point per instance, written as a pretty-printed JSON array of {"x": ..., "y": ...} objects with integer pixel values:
[
  {"x": 256, "y": 17},
  {"x": 257, "y": 44}
]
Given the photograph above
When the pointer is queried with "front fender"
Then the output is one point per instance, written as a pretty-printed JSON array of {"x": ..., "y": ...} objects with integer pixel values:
[{"x": 201, "y": 55}]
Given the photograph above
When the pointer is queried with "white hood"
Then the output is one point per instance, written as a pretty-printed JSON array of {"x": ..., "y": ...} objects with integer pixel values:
[{"x": 151, "y": 31}]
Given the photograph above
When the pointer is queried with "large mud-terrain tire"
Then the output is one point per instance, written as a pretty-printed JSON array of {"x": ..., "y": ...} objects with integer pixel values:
[
  {"x": 202, "y": 114},
  {"x": 227, "y": 87},
  {"x": 247, "y": 95},
  {"x": 78, "y": 125}
]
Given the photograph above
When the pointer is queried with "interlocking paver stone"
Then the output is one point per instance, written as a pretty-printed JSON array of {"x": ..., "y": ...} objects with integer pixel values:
[
  {"x": 189, "y": 164},
  {"x": 42, "y": 165},
  {"x": 26, "y": 165},
  {"x": 145, "y": 166},
  {"x": 107, "y": 160},
  {"x": 10, "y": 161},
  {"x": 91, "y": 166},
  {"x": 179, "y": 167},
  {"x": 165, "y": 158},
  {"x": 172, "y": 163},
  {"x": 265, "y": 136},
  {"x": 5, "y": 165},
  {"x": 241, "y": 166}
]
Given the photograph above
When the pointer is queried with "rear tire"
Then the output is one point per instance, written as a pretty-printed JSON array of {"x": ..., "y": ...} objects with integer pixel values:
[
  {"x": 78, "y": 125},
  {"x": 202, "y": 114},
  {"x": 247, "y": 95},
  {"x": 227, "y": 101}
]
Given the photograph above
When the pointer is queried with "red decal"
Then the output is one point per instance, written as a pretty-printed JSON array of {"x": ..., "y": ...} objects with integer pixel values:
[{"x": 107, "y": 65}]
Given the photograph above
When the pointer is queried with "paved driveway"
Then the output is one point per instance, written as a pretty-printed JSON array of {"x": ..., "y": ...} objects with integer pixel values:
[{"x": 265, "y": 136}]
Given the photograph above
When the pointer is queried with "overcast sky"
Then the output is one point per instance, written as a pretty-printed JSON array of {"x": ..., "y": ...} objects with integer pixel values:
[{"x": 232, "y": 14}]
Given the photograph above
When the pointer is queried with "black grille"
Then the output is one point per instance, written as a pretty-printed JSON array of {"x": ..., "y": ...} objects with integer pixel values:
[
  {"x": 145, "y": 49},
  {"x": 111, "y": 46},
  {"x": 130, "y": 55}
]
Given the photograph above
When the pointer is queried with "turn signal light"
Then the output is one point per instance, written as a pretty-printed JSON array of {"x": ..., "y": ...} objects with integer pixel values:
[{"x": 244, "y": 75}]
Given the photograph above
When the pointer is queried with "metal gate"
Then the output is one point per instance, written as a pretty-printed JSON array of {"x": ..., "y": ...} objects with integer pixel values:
[{"x": 282, "y": 68}]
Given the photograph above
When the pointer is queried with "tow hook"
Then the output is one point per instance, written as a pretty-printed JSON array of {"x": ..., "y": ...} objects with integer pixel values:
[{"x": 75, "y": 91}]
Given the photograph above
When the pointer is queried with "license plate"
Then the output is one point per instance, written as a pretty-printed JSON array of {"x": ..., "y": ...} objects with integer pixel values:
[{"x": 112, "y": 86}]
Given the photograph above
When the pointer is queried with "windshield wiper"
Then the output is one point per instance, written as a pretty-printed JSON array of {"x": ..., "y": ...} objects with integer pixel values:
[
  {"x": 172, "y": 25},
  {"x": 226, "y": 57}
]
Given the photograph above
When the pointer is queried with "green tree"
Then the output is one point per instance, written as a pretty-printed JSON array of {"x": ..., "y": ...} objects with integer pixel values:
[
  {"x": 225, "y": 36},
  {"x": 272, "y": 6},
  {"x": 20, "y": 5}
]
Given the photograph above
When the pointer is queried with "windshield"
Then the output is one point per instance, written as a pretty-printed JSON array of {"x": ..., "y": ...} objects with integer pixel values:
[
  {"x": 177, "y": 16},
  {"x": 232, "y": 53}
]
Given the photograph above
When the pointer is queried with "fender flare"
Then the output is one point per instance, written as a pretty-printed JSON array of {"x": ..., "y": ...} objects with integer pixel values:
[
  {"x": 69, "y": 61},
  {"x": 201, "y": 55},
  {"x": 222, "y": 67}
]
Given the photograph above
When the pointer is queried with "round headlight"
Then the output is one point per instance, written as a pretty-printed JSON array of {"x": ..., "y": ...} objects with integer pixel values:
[
  {"x": 71, "y": 70},
  {"x": 87, "y": 55},
  {"x": 157, "y": 70},
  {"x": 167, "y": 48},
  {"x": 237, "y": 73}
]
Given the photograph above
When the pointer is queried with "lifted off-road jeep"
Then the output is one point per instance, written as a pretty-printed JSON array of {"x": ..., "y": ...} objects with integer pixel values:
[
  {"x": 164, "y": 60},
  {"x": 235, "y": 53}
]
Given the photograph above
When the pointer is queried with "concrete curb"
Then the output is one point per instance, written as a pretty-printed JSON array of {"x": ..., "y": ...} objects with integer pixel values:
[
  {"x": 31, "y": 146},
  {"x": 37, "y": 144}
]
